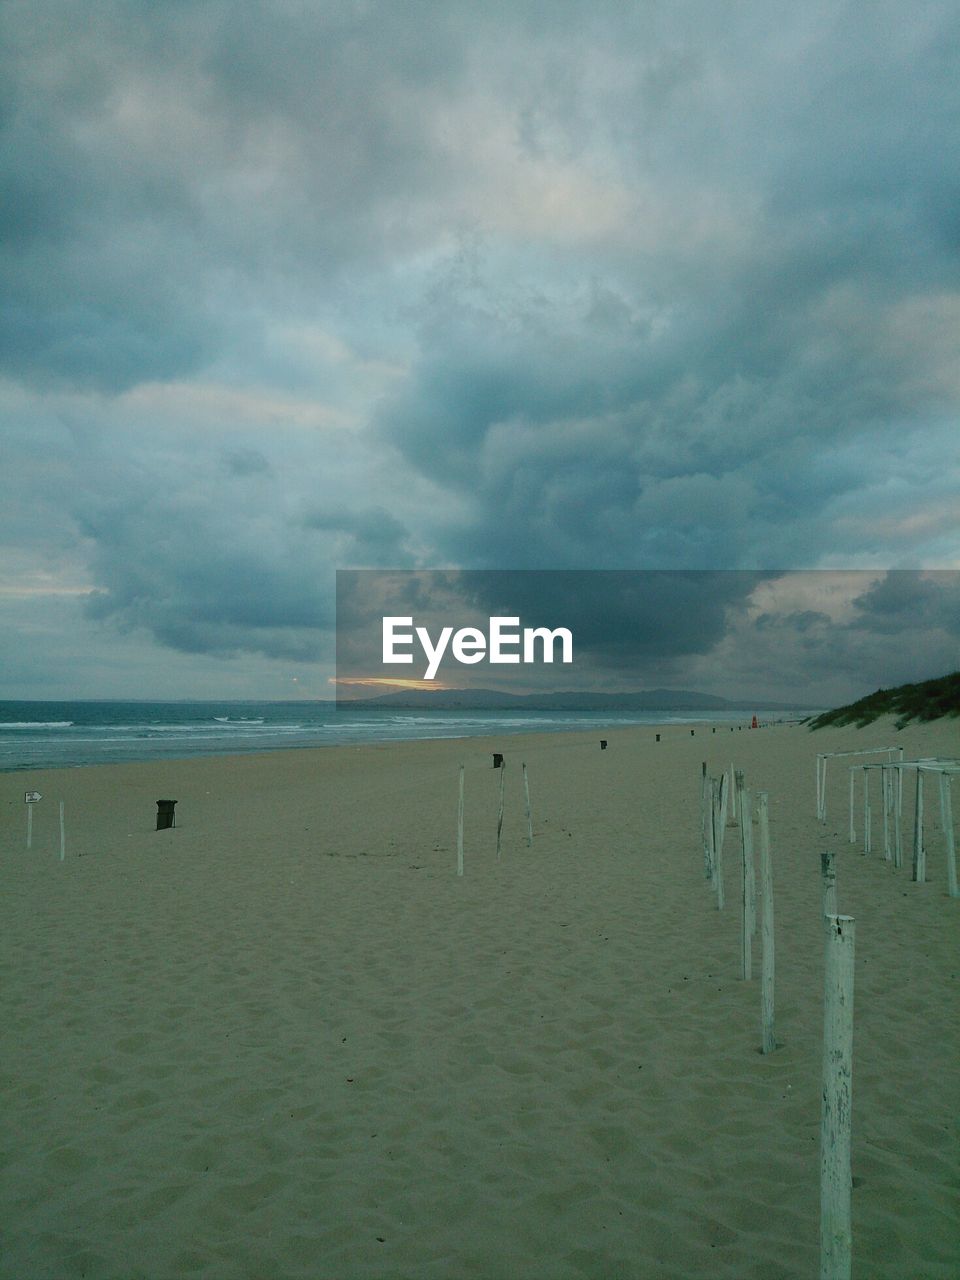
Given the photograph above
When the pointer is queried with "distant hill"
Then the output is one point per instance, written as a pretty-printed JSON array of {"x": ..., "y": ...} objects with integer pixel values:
[
  {"x": 569, "y": 700},
  {"x": 928, "y": 700}
]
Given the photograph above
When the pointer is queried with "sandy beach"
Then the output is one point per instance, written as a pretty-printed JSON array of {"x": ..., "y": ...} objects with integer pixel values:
[{"x": 285, "y": 1039}]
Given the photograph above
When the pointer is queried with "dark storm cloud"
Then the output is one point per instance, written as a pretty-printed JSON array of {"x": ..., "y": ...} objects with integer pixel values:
[
  {"x": 902, "y": 603},
  {"x": 582, "y": 285},
  {"x": 375, "y": 536}
]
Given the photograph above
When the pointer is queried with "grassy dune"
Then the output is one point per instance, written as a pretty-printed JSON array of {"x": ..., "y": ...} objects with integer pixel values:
[{"x": 928, "y": 700}]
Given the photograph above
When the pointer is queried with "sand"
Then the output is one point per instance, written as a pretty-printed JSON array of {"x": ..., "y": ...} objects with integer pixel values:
[{"x": 284, "y": 1039}]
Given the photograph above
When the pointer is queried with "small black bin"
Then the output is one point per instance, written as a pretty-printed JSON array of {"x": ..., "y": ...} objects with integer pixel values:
[
  {"x": 165, "y": 814},
  {"x": 603, "y": 744},
  {"x": 497, "y": 760}
]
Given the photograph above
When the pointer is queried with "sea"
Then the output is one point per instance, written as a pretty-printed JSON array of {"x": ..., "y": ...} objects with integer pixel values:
[{"x": 54, "y": 735}]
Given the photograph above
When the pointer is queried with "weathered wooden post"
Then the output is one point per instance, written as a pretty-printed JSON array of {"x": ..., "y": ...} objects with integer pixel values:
[
  {"x": 919, "y": 853},
  {"x": 867, "y": 830},
  {"x": 819, "y": 787},
  {"x": 710, "y": 836},
  {"x": 853, "y": 833},
  {"x": 746, "y": 834},
  {"x": 946, "y": 817},
  {"x": 828, "y": 884},
  {"x": 503, "y": 769},
  {"x": 63, "y": 835},
  {"x": 898, "y": 820},
  {"x": 746, "y": 880},
  {"x": 722, "y": 816},
  {"x": 705, "y": 822},
  {"x": 768, "y": 1038},
  {"x": 718, "y": 868},
  {"x": 526, "y": 800},
  {"x": 731, "y": 791},
  {"x": 836, "y": 1245},
  {"x": 886, "y": 801},
  {"x": 460, "y": 827}
]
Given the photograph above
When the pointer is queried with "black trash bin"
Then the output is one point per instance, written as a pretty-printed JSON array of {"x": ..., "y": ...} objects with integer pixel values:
[
  {"x": 497, "y": 760},
  {"x": 603, "y": 744},
  {"x": 165, "y": 814}
]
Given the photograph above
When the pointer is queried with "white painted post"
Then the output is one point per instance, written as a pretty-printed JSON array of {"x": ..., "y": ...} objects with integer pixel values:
[
  {"x": 919, "y": 853},
  {"x": 946, "y": 817},
  {"x": 718, "y": 872},
  {"x": 900, "y": 780},
  {"x": 768, "y": 1038},
  {"x": 898, "y": 821},
  {"x": 29, "y": 826},
  {"x": 886, "y": 797},
  {"x": 733, "y": 795},
  {"x": 853, "y": 833},
  {"x": 746, "y": 842},
  {"x": 460, "y": 827},
  {"x": 526, "y": 800},
  {"x": 746, "y": 866},
  {"x": 722, "y": 819},
  {"x": 710, "y": 835},
  {"x": 63, "y": 838},
  {"x": 836, "y": 1243},
  {"x": 503, "y": 765},
  {"x": 823, "y": 792},
  {"x": 867, "y": 831},
  {"x": 819, "y": 789},
  {"x": 828, "y": 883},
  {"x": 706, "y": 821}
]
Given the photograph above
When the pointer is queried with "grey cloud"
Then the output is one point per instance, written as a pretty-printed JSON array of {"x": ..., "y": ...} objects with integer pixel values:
[
  {"x": 244, "y": 462},
  {"x": 376, "y": 537},
  {"x": 628, "y": 285},
  {"x": 904, "y": 603}
]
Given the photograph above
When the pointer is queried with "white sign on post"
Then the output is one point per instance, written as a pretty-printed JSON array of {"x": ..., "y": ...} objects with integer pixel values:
[{"x": 31, "y": 797}]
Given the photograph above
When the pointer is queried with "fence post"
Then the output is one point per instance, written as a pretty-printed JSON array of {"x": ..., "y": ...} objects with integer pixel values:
[{"x": 836, "y": 1245}]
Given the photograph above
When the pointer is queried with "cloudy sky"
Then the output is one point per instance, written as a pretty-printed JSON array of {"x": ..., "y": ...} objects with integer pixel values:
[{"x": 588, "y": 284}]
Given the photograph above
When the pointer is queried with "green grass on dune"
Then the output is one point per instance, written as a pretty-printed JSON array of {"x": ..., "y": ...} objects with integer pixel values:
[{"x": 928, "y": 700}]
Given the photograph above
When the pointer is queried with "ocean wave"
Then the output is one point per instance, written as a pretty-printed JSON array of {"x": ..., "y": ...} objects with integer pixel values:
[{"x": 35, "y": 724}]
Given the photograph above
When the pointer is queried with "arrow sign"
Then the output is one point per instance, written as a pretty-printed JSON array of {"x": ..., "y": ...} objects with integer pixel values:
[{"x": 31, "y": 797}]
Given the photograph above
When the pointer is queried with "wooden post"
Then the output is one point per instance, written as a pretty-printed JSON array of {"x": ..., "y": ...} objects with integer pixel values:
[
  {"x": 503, "y": 768},
  {"x": 710, "y": 836},
  {"x": 886, "y": 797},
  {"x": 946, "y": 817},
  {"x": 823, "y": 790},
  {"x": 718, "y": 871},
  {"x": 768, "y": 1038},
  {"x": 722, "y": 818},
  {"x": 853, "y": 832},
  {"x": 836, "y": 1245},
  {"x": 919, "y": 853},
  {"x": 828, "y": 883},
  {"x": 29, "y": 826},
  {"x": 866, "y": 811},
  {"x": 746, "y": 880},
  {"x": 63, "y": 837},
  {"x": 705, "y": 822},
  {"x": 819, "y": 805},
  {"x": 731, "y": 791},
  {"x": 526, "y": 800},
  {"x": 460, "y": 828},
  {"x": 898, "y": 821},
  {"x": 746, "y": 841}
]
